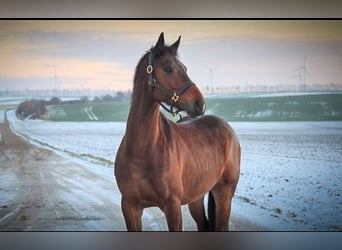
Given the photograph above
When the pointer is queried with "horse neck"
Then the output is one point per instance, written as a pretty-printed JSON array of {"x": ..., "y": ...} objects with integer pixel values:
[
  {"x": 143, "y": 116},
  {"x": 144, "y": 119}
]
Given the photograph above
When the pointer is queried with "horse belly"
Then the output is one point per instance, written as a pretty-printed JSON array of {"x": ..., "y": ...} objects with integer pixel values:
[
  {"x": 197, "y": 190},
  {"x": 206, "y": 157},
  {"x": 200, "y": 179}
]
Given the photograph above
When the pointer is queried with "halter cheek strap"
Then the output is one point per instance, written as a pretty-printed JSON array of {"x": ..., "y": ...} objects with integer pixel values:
[{"x": 173, "y": 95}]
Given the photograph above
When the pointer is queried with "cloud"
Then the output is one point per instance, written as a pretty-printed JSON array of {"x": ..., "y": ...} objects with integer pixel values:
[
  {"x": 103, "y": 53},
  {"x": 148, "y": 30}
]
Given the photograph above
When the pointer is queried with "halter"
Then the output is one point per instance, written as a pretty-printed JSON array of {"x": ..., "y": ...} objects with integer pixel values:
[{"x": 173, "y": 95}]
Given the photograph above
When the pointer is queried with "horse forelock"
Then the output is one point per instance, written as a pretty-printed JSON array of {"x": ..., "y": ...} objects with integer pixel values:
[{"x": 157, "y": 53}]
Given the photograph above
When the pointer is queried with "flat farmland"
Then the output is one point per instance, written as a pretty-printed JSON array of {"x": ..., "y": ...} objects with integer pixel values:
[
  {"x": 290, "y": 167},
  {"x": 251, "y": 107}
]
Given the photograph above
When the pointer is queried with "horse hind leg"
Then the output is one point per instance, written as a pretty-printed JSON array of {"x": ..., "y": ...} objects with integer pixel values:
[
  {"x": 223, "y": 194},
  {"x": 221, "y": 211},
  {"x": 224, "y": 190},
  {"x": 197, "y": 212},
  {"x": 211, "y": 212}
]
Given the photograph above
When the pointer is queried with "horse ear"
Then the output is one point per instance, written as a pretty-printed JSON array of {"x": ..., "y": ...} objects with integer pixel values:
[
  {"x": 174, "y": 47},
  {"x": 161, "y": 43}
]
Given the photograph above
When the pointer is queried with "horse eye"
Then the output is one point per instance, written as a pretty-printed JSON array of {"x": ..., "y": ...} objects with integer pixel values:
[{"x": 168, "y": 69}]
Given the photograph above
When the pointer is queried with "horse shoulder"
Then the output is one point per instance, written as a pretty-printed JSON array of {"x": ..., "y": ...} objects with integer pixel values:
[{"x": 212, "y": 122}]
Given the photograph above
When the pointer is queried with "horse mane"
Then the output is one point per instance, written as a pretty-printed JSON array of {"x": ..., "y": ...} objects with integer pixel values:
[{"x": 139, "y": 68}]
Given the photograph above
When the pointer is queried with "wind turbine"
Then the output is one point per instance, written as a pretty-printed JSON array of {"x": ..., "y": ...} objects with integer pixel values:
[
  {"x": 302, "y": 75},
  {"x": 57, "y": 85},
  {"x": 211, "y": 76}
]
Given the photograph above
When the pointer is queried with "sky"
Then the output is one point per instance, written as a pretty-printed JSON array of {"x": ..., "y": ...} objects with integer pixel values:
[{"x": 103, "y": 54}]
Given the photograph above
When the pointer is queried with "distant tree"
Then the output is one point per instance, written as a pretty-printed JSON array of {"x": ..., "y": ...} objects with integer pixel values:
[
  {"x": 84, "y": 99},
  {"x": 107, "y": 98},
  {"x": 97, "y": 99},
  {"x": 33, "y": 109},
  {"x": 55, "y": 100},
  {"x": 120, "y": 96}
]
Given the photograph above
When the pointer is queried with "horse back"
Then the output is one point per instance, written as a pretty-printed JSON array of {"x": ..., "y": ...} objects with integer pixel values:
[{"x": 211, "y": 125}]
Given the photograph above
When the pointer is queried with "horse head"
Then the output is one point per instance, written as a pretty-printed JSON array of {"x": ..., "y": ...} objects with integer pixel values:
[{"x": 170, "y": 82}]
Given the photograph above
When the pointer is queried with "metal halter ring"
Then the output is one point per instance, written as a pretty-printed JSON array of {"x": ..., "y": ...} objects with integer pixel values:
[
  {"x": 175, "y": 97},
  {"x": 149, "y": 69}
]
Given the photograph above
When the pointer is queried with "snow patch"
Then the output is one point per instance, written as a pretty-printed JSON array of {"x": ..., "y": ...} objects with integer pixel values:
[{"x": 290, "y": 171}]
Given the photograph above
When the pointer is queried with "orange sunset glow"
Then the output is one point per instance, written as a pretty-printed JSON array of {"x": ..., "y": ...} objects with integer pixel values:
[{"x": 102, "y": 54}]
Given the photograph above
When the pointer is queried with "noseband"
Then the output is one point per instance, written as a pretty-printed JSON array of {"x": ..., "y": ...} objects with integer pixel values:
[{"x": 173, "y": 95}]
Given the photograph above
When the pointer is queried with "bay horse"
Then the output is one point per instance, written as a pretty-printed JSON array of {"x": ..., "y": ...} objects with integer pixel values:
[{"x": 166, "y": 164}]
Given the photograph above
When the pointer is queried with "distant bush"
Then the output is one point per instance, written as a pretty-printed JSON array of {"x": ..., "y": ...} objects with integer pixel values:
[
  {"x": 108, "y": 98},
  {"x": 55, "y": 100},
  {"x": 32, "y": 109},
  {"x": 119, "y": 97}
]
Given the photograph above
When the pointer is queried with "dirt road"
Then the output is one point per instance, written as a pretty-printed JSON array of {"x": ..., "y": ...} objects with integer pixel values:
[{"x": 43, "y": 191}]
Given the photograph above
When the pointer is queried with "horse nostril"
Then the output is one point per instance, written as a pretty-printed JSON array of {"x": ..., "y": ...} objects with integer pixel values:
[{"x": 200, "y": 107}]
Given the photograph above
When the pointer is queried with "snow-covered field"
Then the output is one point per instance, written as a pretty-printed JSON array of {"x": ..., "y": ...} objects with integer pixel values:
[{"x": 290, "y": 171}]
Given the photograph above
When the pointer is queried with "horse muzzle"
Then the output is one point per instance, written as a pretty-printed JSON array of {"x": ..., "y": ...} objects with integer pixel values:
[{"x": 197, "y": 108}]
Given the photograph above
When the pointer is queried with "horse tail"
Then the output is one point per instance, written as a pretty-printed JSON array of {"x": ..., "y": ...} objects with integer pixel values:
[{"x": 211, "y": 212}]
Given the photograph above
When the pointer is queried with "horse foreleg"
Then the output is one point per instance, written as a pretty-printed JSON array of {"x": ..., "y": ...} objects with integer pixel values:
[
  {"x": 197, "y": 212},
  {"x": 132, "y": 213},
  {"x": 173, "y": 215}
]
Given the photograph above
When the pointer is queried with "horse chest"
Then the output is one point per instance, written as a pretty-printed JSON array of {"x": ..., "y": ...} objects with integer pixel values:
[{"x": 148, "y": 182}]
